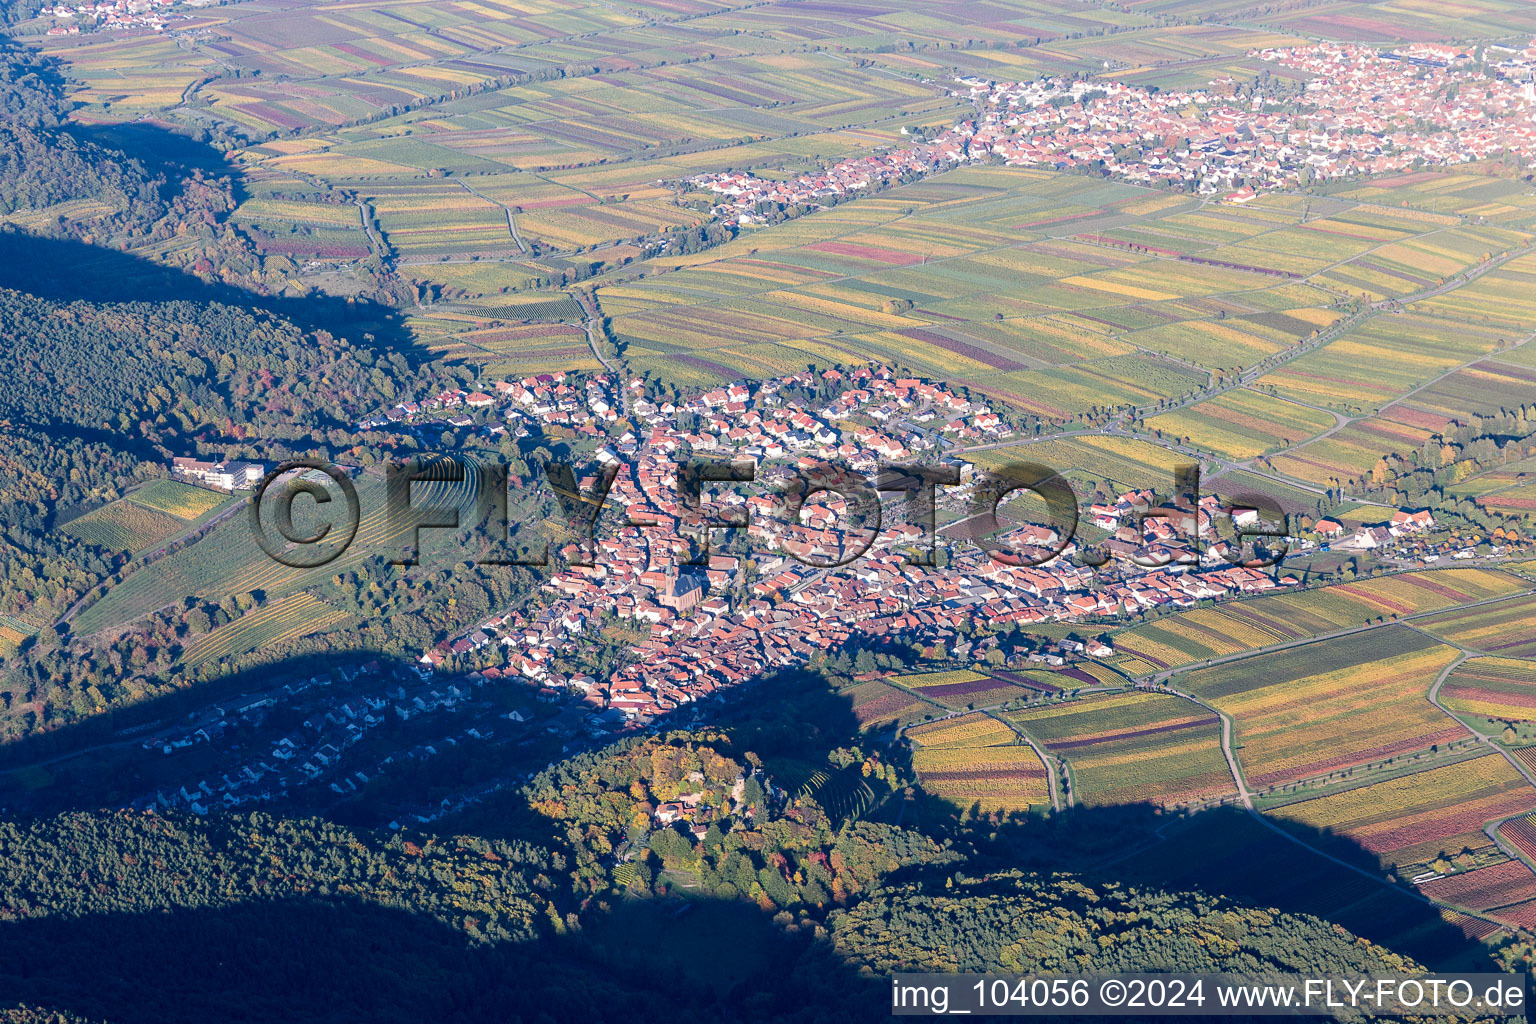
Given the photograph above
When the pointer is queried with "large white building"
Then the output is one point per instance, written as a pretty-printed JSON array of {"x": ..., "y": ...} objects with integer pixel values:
[{"x": 226, "y": 476}]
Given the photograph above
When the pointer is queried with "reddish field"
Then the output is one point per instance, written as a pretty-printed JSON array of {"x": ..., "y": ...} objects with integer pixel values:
[
  {"x": 1521, "y": 834},
  {"x": 1497, "y": 886},
  {"x": 867, "y": 252}
]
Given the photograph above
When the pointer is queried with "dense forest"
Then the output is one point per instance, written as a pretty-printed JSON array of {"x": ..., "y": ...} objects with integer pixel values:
[
  {"x": 778, "y": 912},
  {"x": 172, "y": 373}
]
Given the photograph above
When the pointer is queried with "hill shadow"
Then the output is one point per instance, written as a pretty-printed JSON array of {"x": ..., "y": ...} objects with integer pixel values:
[
  {"x": 325, "y": 960},
  {"x": 1227, "y": 852},
  {"x": 162, "y": 150},
  {"x": 106, "y": 760},
  {"x": 65, "y": 270},
  {"x": 786, "y": 720}
]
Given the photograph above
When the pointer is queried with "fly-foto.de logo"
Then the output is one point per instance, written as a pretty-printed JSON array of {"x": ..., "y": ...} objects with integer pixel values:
[{"x": 307, "y": 512}]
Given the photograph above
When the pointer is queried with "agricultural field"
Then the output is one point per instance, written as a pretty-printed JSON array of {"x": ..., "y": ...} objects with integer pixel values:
[
  {"x": 962, "y": 688},
  {"x": 1384, "y": 358},
  {"x": 476, "y": 279},
  {"x": 1052, "y": 324},
  {"x": 975, "y": 759},
  {"x": 181, "y": 500},
  {"x": 1243, "y": 423},
  {"x": 1402, "y": 425},
  {"x": 275, "y": 623},
  {"x": 1201, "y": 634},
  {"x": 1514, "y": 502},
  {"x": 1452, "y": 193},
  {"x": 1233, "y": 485},
  {"x": 1506, "y": 629},
  {"x": 289, "y": 218},
  {"x": 1330, "y": 706},
  {"x": 125, "y": 525},
  {"x": 551, "y": 306},
  {"x": 1498, "y": 885},
  {"x": 431, "y": 218},
  {"x": 1133, "y": 748},
  {"x": 1121, "y": 463},
  {"x": 1501, "y": 689},
  {"x": 878, "y": 705},
  {"x": 228, "y": 560},
  {"x": 1416, "y": 818},
  {"x": 1521, "y": 834},
  {"x": 129, "y": 75},
  {"x": 13, "y": 632},
  {"x": 1508, "y": 490}
]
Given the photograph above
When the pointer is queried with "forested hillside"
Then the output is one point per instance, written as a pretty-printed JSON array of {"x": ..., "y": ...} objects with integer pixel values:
[
  {"x": 136, "y": 325},
  {"x": 139, "y": 917},
  {"x": 171, "y": 373}
]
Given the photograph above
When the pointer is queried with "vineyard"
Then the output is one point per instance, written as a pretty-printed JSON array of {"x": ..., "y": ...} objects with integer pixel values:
[
  {"x": 561, "y": 307},
  {"x": 1405, "y": 425},
  {"x": 1201, "y": 634},
  {"x": 1486, "y": 888},
  {"x": 181, "y": 500},
  {"x": 1507, "y": 629},
  {"x": 975, "y": 759},
  {"x": 276, "y": 622},
  {"x": 1416, "y": 818},
  {"x": 961, "y": 688},
  {"x": 1134, "y": 748},
  {"x": 1521, "y": 834},
  {"x": 125, "y": 525},
  {"x": 845, "y": 793},
  {"x": 1331, "y": 706},
  {"x": 228, "y": 560},
  {"x": 1380, "y": 361},
  {"x": 877, "y": 705},
  {"x": 1243, "y": 423},
  {"x": 1503, "y": 689},
  {"x": 12, "y": 632}
]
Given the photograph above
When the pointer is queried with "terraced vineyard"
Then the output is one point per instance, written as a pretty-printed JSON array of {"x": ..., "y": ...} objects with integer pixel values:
[
  {"x": 275, "y": 623},
  {"x": 230, "y": 553}
]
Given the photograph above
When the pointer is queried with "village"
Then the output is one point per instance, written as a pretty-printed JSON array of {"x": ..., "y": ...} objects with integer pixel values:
[
  {"x": 107, "y": 15},
  {"x": 798, "y": 581},
  {"x": 714, "y": 609},
  {"x": 1362, "y": 112}
]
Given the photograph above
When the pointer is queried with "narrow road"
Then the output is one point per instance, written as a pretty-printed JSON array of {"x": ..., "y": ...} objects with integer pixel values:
[
  {"x": 590, "y": 319},
  {"x": 1226, "y": 743},
  {"x": 1045, "y": 762},
  {"x": 511, "y": 221}
]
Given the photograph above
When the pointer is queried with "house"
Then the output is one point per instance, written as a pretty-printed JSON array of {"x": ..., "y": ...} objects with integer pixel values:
[{"x": 1410, "y": 522}]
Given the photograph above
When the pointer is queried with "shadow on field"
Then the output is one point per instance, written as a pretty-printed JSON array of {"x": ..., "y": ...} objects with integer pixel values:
[{"x": 661, "y": 958}]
